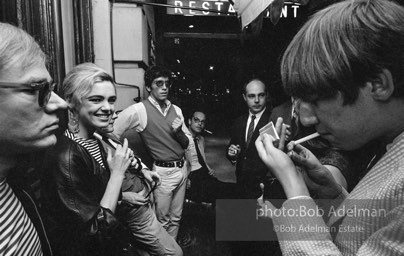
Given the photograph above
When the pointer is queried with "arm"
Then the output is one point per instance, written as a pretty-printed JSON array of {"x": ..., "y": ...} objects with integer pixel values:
[
  {"x": 118, "y": 164},
  {"x": 297, "y": 193},
  {"x": 75, "y": 194},
  {"x": 181, "y": 137},
  {"x": 233, "y": 149},
  {"x": 202, "y": 148},
  {"x": 337, "y": 175},
  {"x": 129, "y": 118},
  {"x": 379, "y": 242},
  {"x": 179, "y": 129},
  {"x": 189, "y": 151},
  {"x": 338, "y": 163}
]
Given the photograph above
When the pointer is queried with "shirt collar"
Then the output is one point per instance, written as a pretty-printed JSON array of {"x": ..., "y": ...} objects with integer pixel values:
[
  {"x": 154, "y": 102},
  {"x": 197, "y": 137},
  {"x": 258, "y": 115},
  {"x": 395, "y": 141}
]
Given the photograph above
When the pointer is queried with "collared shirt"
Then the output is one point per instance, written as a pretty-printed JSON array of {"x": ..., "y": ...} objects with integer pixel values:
[
  {"x": 192, "y": 155},
  {"x": 257, "y": 119},
  {"x": 135, "y": 117},
  {"x": 157, "y": 105}
]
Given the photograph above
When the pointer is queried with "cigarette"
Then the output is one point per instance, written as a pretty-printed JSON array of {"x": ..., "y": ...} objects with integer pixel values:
[
  {"x": 309, "y": 137},
  {"x": 208, "y": 131}
]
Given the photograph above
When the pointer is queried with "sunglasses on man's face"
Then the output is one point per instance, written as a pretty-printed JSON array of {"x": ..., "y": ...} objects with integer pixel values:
[
  {"x": 160, "y": 83},
  {"x": 44, "y": 89}
]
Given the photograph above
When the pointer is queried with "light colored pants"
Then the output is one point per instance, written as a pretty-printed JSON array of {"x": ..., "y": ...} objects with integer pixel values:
[
  {"x": 152, "y": 237},
  {"x": 169, "y": 197}
]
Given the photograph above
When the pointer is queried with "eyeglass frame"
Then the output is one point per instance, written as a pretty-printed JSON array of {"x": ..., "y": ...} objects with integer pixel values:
[
  {"x": 44, "y": 89},
  {"x": 160, "y": 83},
  {"x": 198, "y": 121}
]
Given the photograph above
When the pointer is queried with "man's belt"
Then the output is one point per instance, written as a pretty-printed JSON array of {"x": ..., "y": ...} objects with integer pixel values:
[{"x": 178, "y": 163}]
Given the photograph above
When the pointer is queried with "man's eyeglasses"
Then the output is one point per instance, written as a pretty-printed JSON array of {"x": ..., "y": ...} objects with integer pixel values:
[
  {"x": 198, "y": 121},
  {"x": 160, "y": 83},
  {"x": 44, "y": 89}
]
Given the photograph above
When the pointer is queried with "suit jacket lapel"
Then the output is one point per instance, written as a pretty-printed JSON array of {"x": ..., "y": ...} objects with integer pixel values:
[
  {"x": 243, "y": 128},
  {"x": 262, "y": 122}
]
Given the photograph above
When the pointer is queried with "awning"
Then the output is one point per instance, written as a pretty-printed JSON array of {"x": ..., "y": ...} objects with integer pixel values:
[{"x": 249, "y": 10}]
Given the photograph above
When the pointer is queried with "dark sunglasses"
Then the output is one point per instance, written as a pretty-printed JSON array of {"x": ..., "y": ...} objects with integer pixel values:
[
  {"x": 160, "y": 83},
  {"x": 44, "y": 89}
]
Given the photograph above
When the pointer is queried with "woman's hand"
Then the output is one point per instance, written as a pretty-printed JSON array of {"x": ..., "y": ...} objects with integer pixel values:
[
  {"x": 151, "y": 176},
  {"x": 119, "y": 162},
  {"x": 134, "y": 198},
  {"x": 281, "y": 167},
  {"x": 317, "y": 177}
]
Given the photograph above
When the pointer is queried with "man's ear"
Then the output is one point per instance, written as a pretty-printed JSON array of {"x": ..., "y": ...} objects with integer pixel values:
[
  {"x": 189, "y": 121},
  {"x": 244, "y": 97},
  {"x": 148, "y": 89},
  {"x": 382, "y": 86}
]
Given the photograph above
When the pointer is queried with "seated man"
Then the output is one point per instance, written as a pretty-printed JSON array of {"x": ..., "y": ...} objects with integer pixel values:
[
  {"x": 135, "y": 208},
  {"x": 202, "y": 183}
]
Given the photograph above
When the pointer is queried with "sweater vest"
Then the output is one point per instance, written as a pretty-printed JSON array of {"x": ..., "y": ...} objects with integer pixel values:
[{"x": 158, "y": 135}]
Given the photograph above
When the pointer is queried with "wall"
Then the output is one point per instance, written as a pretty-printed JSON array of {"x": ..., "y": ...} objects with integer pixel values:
[
  {"x": 130, "y": 46},
  {"x": 126, "y": 56},
  {"x": 102, "y": 34}
]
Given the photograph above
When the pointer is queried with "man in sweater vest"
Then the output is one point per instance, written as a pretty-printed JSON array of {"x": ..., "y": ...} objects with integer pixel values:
[
  {"x": 28, "y": 121},
  {"x": 346, "y": 65},
  {"x": 160, "y": 125}
]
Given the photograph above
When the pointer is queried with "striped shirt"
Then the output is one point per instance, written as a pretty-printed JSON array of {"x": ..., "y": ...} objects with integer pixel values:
[
  {"x": 17, "y": 233},
  {"x": 372, "y": 222},
  {"x": 91, "y": 145}
]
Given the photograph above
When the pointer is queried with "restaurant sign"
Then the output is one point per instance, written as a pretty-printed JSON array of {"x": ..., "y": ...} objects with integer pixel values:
[{"x": 219, "y": 8}]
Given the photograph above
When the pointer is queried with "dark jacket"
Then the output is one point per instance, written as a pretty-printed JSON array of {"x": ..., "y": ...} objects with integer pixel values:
[
  {"x": 32, "y": 211},
  {"x": 73, "y": 185},
  {"x": 250, "y": 170}
]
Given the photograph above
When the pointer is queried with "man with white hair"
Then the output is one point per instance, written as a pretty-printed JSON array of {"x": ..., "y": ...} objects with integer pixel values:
[
  {"x": 28, "y": 122},
  {"x": 346, "y": 65}
]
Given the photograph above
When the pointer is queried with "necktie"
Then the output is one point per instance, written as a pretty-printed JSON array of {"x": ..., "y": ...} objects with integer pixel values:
[
  {"x": 198, "y": 152},
  {"x": 250, "y": 130}
]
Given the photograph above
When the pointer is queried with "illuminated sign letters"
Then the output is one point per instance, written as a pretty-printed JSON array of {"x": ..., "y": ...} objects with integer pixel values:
[{"x": 206, "y": 8}]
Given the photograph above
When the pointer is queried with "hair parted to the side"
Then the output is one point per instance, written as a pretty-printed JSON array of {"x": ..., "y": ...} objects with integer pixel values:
[
  {"x": 80, "y": 81},
  {"x": 154, "y": 72},
  {"x": 18, "y": 49},
  {"x": 199, "y": 109},
  {"x": 344, "y": 46}
]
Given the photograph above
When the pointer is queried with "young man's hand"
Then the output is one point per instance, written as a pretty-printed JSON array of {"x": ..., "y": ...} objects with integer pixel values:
[{"x": 177, "y": 124}]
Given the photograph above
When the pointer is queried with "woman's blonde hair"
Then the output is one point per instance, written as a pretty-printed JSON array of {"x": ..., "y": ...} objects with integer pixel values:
[{"x": 80, "y": 81}]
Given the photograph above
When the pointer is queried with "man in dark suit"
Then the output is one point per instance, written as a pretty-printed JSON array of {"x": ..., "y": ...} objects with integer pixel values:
[{"x": 250, "y": 170}]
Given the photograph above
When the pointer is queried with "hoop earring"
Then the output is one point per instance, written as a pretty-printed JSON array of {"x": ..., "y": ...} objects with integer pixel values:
[{"x": 73, "y": 124}]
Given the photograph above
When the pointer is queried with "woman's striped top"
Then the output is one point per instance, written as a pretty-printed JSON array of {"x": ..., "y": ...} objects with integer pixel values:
[{"x": 91, "y": 145}]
